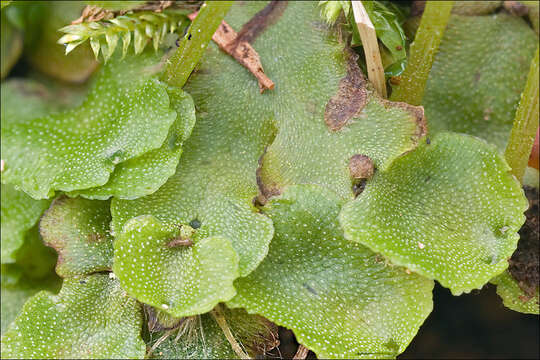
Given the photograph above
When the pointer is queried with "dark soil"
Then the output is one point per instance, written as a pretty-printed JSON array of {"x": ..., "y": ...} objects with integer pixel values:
[
  {"x": 525, "y": 262},
  {"x": 474, "y": 326}
]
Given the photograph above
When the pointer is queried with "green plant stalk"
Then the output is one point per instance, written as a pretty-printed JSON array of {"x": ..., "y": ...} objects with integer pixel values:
[
  {"x": 194, "y": 43},
  {"x": 422, "y": 52},
  {"x": 523, "y": 132}
]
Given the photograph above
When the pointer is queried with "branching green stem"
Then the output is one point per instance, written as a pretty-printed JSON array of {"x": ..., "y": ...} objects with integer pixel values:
[
  {"x": 523, "y": 132},
  {"x": 422, "y": 52},
  {"x": 194, "y": 43}
]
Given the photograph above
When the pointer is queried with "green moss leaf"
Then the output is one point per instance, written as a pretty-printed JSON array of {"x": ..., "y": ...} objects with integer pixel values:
[
  {"x": 79, "y": 148},
  {"x": 513, "y": 297},
  {"x": 145, "y": 174},
  {"x": 340, "y": 299},
  {"x": 181, "y": 280},
  {"x": 449, "y": 210},
  {"x": 78, "y": 229},
  {"x": 91, "y": 317},
  {"x": 475, "y": 83},
  {"x": 19, "y": 214},
  {"x": 200, "y": 337}
]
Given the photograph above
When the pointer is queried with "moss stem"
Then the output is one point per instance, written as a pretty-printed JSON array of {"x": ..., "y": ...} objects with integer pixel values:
[
  {"x": 193, "y": 45},
  {"x": 422, "y": 52},
  {"x": 525, "y": 125}
]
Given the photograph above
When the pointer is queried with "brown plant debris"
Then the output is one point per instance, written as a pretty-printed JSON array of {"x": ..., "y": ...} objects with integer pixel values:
[
  {"x": 525, "y": 261},
  {"x": 236, "y": 44},
  {"x": 94, "y": 13}
]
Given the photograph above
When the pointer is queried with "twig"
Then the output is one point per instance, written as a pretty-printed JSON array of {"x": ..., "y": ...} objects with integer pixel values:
[
  {"x": 422, "y": 52},
  {"x": 525, "y": 125},
  {"x": 301, "y": 353},
  {"x": 222, "y": 322},
  {"x": 371, "y": 47},
  {"x": 227, "y": 40},
  {"x": 194, "y": 43}
]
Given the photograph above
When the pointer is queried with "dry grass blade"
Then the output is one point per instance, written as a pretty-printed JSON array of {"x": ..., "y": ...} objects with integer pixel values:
[{"x": 371, "y": 47}]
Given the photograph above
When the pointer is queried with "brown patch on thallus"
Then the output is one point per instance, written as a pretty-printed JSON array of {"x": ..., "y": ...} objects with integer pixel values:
[
  {"x": 418, "y": 116},
  {"x": 350, "y": 99}
]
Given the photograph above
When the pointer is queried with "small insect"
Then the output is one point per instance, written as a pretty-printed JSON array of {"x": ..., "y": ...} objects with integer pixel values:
[
  {"x": 428, "y": 141},
  {"x": 179, "y": 241},
  {"x": 182, "y": 239}
]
